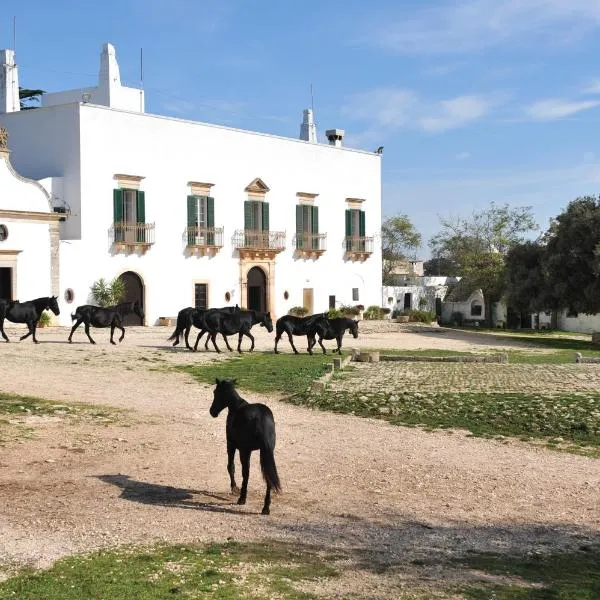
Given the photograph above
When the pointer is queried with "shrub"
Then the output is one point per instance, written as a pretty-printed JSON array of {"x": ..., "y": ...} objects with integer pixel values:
[
  {"x": 334, "y": 313},
  {"x": 421, "y": 316},
  {"x": 349, "y": 311},
  {"x": 372, "y": 312},
  {"x": 422, "y": 302},
  {"x": 108, "y": 293},
  {"x": 298, "y": 311},
  {"x": 44, "y": 319},
  {"x": 385, "y": 310}
]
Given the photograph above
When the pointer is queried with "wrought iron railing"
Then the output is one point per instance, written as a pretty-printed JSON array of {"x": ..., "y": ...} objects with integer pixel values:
[
  {"x": 259, "y": 240},
  {"x": 203, "y": 236},
  {"x": 310, "y": 241},
  {"x": 358, "y": 244},
  {"x": 133, "y": 234}
]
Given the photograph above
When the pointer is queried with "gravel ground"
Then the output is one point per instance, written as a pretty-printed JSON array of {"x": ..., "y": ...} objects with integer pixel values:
[{"x": 385, "y": 494}]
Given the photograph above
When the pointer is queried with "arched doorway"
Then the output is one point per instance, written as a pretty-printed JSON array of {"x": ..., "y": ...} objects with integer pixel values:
[
  {"x": 257, "y": 289},
  {"x": 134, "y": 290}
]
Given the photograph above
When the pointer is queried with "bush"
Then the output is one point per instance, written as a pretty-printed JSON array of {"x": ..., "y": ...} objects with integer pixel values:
[
  {"x": 298, "y": 311},
  {"x": 44, "y": 319},
  {"x": 422, "y": 302},
  {"x": 421, "y": 316},
  {"x": 108, "y": 293},
  {"x": 376, "y": 312},
  {"x": 349, "y": 311},
  {"x": 334, "y": 313}
]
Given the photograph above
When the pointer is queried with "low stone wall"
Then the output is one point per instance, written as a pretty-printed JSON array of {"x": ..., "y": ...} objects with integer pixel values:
[
  {"x": 487, "y": 358},
  {"x": 586, "y": 359}
]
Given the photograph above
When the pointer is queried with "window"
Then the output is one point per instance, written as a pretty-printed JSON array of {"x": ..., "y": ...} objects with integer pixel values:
[
  {"x": 256, "y": 215},
  {"x": 476, "y": 309},
  {"x": 3, "y": 232},
  {"x": 201, "y": 295},
  {"x": 408, "y": 301},
  {"x": 201, "y": 219},
  {"x": 354, "y": 294},
  {"x": 69, "y": 295},
  {"x": 355, "y": 228},
  {"x": 572, "y": 313},
  {"x": 307, "y": 225},
  {"x": 129, "y": 210},
  {"x": 331, "y": 301}
]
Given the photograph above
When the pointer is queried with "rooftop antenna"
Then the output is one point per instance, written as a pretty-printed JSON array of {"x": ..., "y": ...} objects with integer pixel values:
[
  {"x": 14, "y": 57},
  {"x": 141, "y": 79}
]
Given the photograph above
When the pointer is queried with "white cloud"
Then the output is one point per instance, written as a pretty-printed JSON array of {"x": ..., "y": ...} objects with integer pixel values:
[
  {"x": 463, "y": 155},
  {"x": 557, "y": 108},
  {"x": 390, "y": 108},
  {"x": 471, "y": 25},
  {"x": 593, "y": 88}
]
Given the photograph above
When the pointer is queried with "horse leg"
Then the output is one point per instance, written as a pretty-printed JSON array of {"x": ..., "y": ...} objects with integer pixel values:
[
  {"x": 87, "y": 332},
  {"x": 227, "y": 343},
  {"x": 30, "y": 328},
  {"x": 187, "y": 339},
  {"x": 2, "y": 330},
  {"x": 311, "y": 342},
  {"x": 112, "y": 333},
  {"x": 277, "y": 338},
  {"x": 231, "y": 467},
  {"x": 213, "y": 337},
  {"x": 321, "y": 344},
  {"x": 198, "y": 338},
  {"x": 77, "y": 324},
  {"x": 251, "y": 339},
  {"x": 339, "y": 344},
  {"x": 245, "y": 460},
  {"x": 33, "y": 328},
  {"x": 291, "y": 338},
  {"x": 240, "y": 336},
  {"x": 267, "y": 503},
  {"x": 120, "y": 326}
]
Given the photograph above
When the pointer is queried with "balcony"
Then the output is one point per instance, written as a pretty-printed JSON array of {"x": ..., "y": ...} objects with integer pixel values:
[
  {"x": 310, "y": 245},
  {"x": 358, "y": 248},
  {"x": 131, "y": 237},
  {"x": 252, "y": 243},
  {"x": 203, "y": 241}
]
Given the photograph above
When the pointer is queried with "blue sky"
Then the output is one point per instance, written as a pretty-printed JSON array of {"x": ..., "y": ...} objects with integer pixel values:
[{"x": 473, "y": 100}]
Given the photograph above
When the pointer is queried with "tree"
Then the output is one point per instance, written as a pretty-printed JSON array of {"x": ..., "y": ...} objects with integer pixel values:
[
  {"x": 573, "y": 256},
  {"x": 399, "y": 241},
  {"x": 108, "y": 293},
  {"x": 440, "y": 265},
  {"x": 29, "y": 98},
  {"x": 478, "y": 246}
]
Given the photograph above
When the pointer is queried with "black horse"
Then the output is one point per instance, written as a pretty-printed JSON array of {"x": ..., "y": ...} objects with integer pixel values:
[
  {"x": 236, "y": 322},
  {"x": 293, "y": 325},
  {"x": 26, "y": 312},
  {"x": 190, "y": 316},
  {"x": 104, "y": 316},
  {"x": 332, "y": 329},
  {"x": 249, "y": 427}
]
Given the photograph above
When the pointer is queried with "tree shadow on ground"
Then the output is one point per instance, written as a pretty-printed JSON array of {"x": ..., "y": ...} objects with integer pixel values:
[{"x": 169, "y": 496}]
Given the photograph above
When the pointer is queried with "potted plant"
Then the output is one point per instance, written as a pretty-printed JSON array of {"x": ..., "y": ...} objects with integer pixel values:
[
  {"x": 44, "y": 320},
  {"x": 298, "y": 311}
]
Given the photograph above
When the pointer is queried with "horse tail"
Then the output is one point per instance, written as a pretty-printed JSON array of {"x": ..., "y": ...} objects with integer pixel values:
[
  {"x": 74, "y": 316},
  {"x": 175, "y": 334},
  {"x": 268, "y": 467}
]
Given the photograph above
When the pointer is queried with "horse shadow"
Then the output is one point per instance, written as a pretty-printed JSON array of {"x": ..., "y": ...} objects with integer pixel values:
[{"x": 166, "y": 495}]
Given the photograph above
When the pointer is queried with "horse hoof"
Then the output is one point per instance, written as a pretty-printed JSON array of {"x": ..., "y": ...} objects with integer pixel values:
[
  {"x": 241, "y": 501},
  {"x": 235, "y": 489},
  {"x": 113, "y": 343},
  {"x": 265, "y": 511}
]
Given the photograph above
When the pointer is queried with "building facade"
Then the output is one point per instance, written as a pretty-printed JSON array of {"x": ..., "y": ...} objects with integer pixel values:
[{"x": 191, "y": 213}]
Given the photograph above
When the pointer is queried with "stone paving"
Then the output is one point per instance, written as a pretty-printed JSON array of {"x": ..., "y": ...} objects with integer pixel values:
[{"x": 395, "y": 377}]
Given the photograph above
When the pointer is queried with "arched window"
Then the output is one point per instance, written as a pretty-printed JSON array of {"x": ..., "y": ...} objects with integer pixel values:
[{"x": 476, "y": 308}]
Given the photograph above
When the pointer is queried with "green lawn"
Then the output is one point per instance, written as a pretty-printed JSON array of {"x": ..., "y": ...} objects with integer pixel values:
[{"x": 229, "y": 571}]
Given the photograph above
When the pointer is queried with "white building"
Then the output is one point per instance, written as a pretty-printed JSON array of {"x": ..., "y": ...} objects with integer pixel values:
[{"x": 190, "y": 213}]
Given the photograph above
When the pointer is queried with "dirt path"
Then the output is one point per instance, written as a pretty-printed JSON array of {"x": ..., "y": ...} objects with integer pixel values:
[{"x": 388, "y": 493}]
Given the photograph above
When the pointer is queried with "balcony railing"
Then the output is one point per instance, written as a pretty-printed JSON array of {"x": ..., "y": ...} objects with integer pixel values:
[
  {"x": 202, "y": 237},
  {"x": 251, "y": 239},
  {"x": 125, "y": 233},
  {"x": 310, "y": 241},
  {"x": 358, "y": 247}
]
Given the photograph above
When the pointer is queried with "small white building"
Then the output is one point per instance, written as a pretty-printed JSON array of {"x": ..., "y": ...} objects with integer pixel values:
[{"x": 190, "y": 213}]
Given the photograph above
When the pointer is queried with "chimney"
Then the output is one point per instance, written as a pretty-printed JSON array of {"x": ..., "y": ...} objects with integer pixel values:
[
  {"x": 308, "y": 129},
  {"x": 335, "y": 137},
  {"x": 9, "y": 82}
]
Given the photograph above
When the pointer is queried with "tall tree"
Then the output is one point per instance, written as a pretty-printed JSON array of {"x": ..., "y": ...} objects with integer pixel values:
[
  {"x": 29, "y": 98},
  {"x": 478, "y": 246},
  {"x": 573, "y": 256},
  {"x": 399, "y": 241}
]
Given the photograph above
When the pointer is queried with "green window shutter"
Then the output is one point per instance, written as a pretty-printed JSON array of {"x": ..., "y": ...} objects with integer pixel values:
[
  {"x": 265, "y": 216},
  {"x": 140, "y": 202},
  {"x": 348, "y": 222},
  {"x": 192, "y": 207},
  {"x": 141, "y": 207},
  {"x": 299, "y": 226},
  {"x": 248, "y": 214},
  {"x": 210, "y": 211},
  {"x": 117, "y": 206},
  {"x": 315, "y": 226},
  {"x": 361, "y": 223}
]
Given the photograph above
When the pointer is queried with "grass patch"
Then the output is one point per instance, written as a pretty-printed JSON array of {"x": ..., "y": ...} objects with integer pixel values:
[
  {"x": 558, "y": 576},
  {"x": 569, "y": 421},
  {"x": 221, "y": 571},
  {"x": 264, "y": 372},
  {"x": 16, "y": 410}
]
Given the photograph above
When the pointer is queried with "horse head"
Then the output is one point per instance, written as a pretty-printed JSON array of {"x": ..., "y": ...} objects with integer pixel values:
[
  {"x": 267, "y": 322},
  {"x": 223, "y": 393},
  {"x": 353, "y": 327},
  {"x": 138, "y": 310},
  {"x": 53, "y": 305}
]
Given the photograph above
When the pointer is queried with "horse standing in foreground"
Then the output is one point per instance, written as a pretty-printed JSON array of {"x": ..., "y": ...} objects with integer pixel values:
[
  {"x": 104, "y": 316},
  {"x": 249, "y": 427},
  {"x": 332, "y": 329},
  {"x": 26, "y": 312},
  {"x": 293, "y": 325}
]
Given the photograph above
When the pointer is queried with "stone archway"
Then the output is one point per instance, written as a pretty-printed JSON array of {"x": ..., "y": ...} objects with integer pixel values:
[
  {"x": 256, "y": 289},
  {"x": 134, "y": 290}
]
